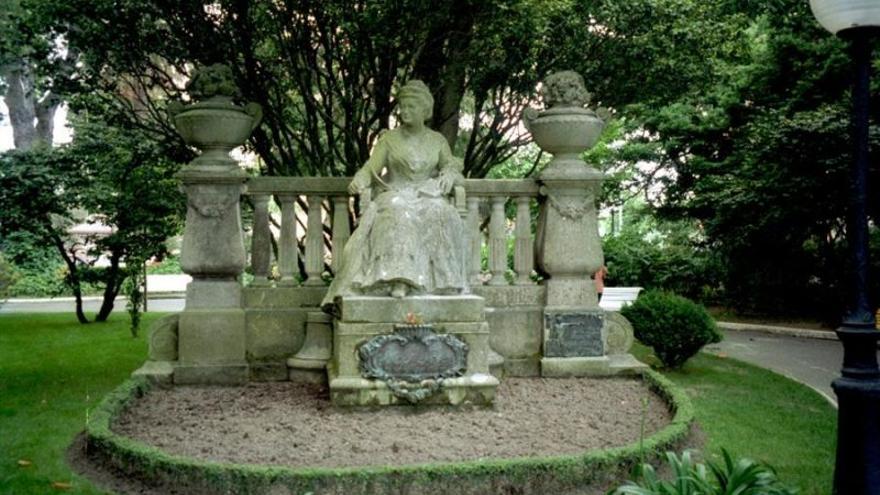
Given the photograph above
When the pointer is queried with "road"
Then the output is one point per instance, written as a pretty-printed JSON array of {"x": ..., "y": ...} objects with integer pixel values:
[{"x": 810, "y": 361}]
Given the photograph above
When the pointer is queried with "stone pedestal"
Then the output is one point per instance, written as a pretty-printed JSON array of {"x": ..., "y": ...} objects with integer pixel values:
[
  {"x": 380, "y": 344},
  {"x": 212, "y": 328},
  {"x": 569, "y": 250},
  {"x": 310, "y": 363},
  {"x": 211, "y": 335}
]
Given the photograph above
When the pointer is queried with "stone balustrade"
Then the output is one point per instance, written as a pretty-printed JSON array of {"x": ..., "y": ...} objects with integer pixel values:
[{"x": 323, "y": 214}]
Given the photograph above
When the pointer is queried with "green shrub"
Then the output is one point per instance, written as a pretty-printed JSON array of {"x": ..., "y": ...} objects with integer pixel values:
[
  {"x": 744, "y": 476},
  {"x": 8, "y": 277},
  {"x": 675, "y": 327}
]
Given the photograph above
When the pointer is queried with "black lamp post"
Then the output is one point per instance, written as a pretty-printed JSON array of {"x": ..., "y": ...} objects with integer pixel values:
[{"x": 857, "y": 468}]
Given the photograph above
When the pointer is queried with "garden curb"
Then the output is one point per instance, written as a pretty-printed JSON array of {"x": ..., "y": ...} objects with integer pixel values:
[
  {"x": 777, "y": 330},
  {"x": 538, "y": 475}
]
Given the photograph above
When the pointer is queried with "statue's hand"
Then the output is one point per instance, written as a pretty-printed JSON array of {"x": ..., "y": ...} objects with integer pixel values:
[
  {"x": 446, "y": 182},
  {"x": 359, "y": 183}
]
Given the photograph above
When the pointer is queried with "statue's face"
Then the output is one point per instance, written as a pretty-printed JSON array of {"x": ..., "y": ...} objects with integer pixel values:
[{"x": 410, "y": 111}]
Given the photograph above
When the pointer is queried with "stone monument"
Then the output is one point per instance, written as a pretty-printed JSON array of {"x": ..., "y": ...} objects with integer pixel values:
[
  {"x": 406, "y": 330},
  {"x": 569, "y": 249}
]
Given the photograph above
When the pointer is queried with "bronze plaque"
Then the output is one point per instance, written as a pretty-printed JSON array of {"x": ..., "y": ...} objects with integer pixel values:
[{"x": 413, "y": 353}]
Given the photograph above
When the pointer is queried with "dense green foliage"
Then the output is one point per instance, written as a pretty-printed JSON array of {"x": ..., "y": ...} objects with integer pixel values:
[
  {"x": 8, "y": 277},
  {"x": 665, "y": 255},
  {"x": 676, "y": 328},
  {"x": 761, "y": 161},
  {"x": 120, "y": 177},
  {"x": 744, "y": 477}
]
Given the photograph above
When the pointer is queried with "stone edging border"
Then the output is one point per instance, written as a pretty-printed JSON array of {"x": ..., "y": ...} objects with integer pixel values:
[
  {"x": 525, "y": 475},
  {"x": 777, "y": 330}
]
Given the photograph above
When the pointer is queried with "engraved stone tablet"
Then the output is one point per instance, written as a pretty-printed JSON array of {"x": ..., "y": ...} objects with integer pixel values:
[
  {"x": 574, "y": 334},
  {"x": 413, "y": 353}
]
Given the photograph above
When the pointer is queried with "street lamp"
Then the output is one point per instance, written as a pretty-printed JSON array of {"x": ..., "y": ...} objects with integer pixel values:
[{"x": 857, "y": 468}]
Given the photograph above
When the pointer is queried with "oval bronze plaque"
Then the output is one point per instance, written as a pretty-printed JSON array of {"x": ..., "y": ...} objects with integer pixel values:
[{"x": 413, "y": 353}]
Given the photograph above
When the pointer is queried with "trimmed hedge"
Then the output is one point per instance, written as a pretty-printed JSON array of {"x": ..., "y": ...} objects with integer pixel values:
[
  {"x": 674, "y": 326},
  {"x": 522, "y": 476}
]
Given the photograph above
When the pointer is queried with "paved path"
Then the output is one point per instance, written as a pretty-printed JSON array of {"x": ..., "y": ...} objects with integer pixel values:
[
  {"x": 90, "y": 305},
  {"x": 813, "y": 362}
]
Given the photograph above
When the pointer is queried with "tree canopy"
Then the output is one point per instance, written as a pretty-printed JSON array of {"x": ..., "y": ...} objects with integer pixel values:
[
  {"x": 325, "y": 72},
  {"x": 730, "y": 115}
]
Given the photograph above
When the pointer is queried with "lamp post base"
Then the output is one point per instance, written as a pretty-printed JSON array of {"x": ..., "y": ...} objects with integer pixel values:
[{"x": 857, "y": 469}]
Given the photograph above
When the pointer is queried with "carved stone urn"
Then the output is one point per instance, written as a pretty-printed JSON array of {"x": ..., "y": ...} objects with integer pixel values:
[
  {"x": 565, "y": 128},
  {"x": 215, "y": 124}
]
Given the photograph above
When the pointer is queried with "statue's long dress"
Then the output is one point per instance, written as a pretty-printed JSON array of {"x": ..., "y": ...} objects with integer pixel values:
[{"x": 410, "y": 233}]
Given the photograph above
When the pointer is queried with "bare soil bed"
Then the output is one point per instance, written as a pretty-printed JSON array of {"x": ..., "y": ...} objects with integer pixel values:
[{"x": 294, "y": 425}]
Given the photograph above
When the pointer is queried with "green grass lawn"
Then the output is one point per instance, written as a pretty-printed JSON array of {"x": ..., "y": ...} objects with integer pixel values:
[
  {"x": 52, "y": 370},
  {"x": 755, "y": 413}
]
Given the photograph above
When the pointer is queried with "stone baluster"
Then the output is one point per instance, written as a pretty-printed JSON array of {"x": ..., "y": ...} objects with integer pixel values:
[
  {"x": 314, "y": 242},
  {"x": 287, "y": 253},
  {"x": 524, "y": 254},
  {"x": 497, "y": 242},
  {"x": 261, "y": 243},
  {"x": 475, "y": 238},
  {"x": 341, "y": 231}
]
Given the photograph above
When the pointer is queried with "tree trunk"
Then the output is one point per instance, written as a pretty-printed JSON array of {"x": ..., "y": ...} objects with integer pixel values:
[
  {"x": 72, "y": 278},
  {"x": 439, "y": 66},
  {"x": 32, "y": 118},
  {"x": 111, "y": 289}
]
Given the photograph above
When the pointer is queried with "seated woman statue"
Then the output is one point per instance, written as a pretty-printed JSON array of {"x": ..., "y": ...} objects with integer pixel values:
[{"x": 410, "y": 239}]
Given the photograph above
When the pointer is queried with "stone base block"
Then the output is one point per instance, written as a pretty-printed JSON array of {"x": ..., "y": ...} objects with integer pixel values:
[
  {"x": 574, "y": 333},
  {"x": 477, "y": 389},
  {"x": 496, "y": 363},
  {"x": 522, "y": 366},
  {"x": 268, "y": 372},
  {"x": 429, "y": 309},
  {"x": 158, "y": 372},
  {"x": 348, "y": 337},
  {"x": 626, "y": 364},
  {"x": 575, "y": 366},
  {"x": 621, "y": 364},
  {"x": 215, "y": 336},
  {"x": 450, "y": 339},
  {"x": 571, "y": 292},
  {"x": 205, "y": 294},
  {"x": 299, "y": 375},
  {"x": 207, "y": 374}
]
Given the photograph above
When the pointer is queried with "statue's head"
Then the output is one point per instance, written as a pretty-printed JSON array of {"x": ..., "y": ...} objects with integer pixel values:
[{"x": 417, "y": 94}]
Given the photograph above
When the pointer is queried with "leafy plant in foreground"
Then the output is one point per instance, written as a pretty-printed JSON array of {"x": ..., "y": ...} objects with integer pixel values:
[
  {"x": 674, "y": 326},
  {"x": 740, "y": 477}
]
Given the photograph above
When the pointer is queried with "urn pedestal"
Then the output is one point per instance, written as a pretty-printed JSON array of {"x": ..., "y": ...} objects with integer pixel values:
[
  {"x": 212, "y": 326},
  {"x": 569, "y": 250}
]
